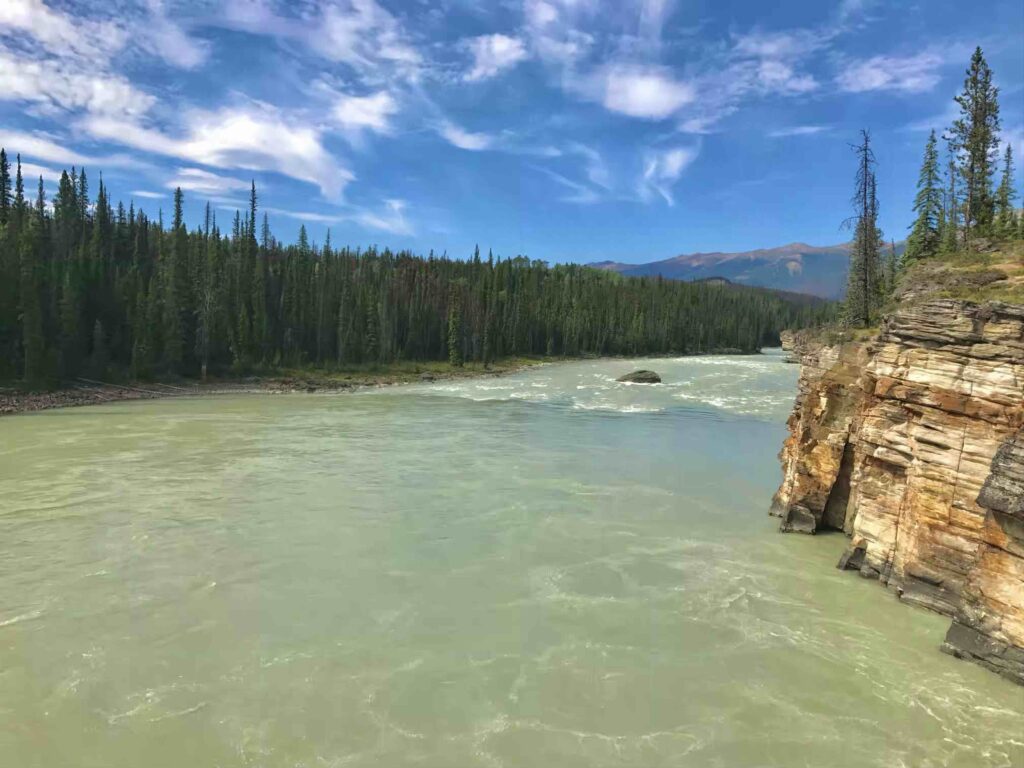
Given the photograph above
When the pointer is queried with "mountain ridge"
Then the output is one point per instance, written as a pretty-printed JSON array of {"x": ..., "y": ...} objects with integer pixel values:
[{"x": 797, "y": 267}]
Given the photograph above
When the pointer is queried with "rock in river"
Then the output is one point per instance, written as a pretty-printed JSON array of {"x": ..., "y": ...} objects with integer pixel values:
[{"x": 641, "y": 377}]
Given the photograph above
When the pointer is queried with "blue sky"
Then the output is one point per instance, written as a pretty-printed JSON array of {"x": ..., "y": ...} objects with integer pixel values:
[{"x": 568, "y": 130}]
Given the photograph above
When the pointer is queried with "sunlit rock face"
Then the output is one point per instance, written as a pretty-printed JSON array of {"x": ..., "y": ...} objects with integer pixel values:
[{"x": 911, "y": 444}]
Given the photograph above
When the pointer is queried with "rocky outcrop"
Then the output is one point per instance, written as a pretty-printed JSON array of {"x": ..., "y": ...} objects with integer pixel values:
[
  {"x": 911, "y": 444},
  {"x": 640, "y": 377}
]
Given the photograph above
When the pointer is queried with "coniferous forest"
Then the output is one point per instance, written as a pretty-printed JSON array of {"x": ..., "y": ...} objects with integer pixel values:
[
  {"x": 951, "y": 213},
  {"x": 90, "y": 288}
]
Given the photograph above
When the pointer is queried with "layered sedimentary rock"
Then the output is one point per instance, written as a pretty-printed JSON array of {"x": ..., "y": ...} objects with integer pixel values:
[{"x": 911, "y": 444}]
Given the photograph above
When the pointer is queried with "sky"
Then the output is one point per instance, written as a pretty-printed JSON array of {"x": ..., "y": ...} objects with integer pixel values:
[{"x": 565, "y": 130}]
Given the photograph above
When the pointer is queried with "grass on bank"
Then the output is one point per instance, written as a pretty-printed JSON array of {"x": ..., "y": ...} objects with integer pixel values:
[{"x": 986, "y": 272}]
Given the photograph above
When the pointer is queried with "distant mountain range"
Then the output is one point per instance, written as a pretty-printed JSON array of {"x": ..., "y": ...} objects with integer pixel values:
[{"x": 797, "y": 267}]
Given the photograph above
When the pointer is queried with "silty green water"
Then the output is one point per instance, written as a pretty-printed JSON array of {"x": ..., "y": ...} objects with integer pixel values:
[{"x": 548, "y": 569}]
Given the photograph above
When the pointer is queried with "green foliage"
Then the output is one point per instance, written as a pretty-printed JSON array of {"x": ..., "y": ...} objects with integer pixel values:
[
  {"x": 973, "y": 141},
  {"x": 925, "y": 232},
  {"x": 93, "y": 288},
  {"x": 1006, "y": 224},
  {"x": 865, "y": 289}
]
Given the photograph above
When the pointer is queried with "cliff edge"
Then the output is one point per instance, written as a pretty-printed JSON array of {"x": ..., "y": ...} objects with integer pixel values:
[{"x": 912, "y": 443}]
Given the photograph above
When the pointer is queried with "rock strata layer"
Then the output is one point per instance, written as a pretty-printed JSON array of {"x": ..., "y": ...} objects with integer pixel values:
[{"x": 912, "y": 444}]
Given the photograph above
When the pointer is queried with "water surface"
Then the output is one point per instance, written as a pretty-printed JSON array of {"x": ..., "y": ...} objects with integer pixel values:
[{"x": 547, "y": 569}]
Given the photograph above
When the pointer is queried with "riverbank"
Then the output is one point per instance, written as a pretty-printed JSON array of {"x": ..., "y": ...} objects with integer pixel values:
[
  {"x": 14, "y": 399},
  {"x": 910, "y": 439},
  {"x": 83, "y": 392}
]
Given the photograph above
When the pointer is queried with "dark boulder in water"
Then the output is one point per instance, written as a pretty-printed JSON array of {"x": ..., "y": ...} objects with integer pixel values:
[{"x": 641, "y": 377}]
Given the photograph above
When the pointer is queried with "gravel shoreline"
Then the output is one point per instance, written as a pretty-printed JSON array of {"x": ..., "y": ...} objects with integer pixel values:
[{"x": 88, "y": 392}]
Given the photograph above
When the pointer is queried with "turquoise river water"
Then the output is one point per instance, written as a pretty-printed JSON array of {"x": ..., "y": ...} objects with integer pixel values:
[{"x": 545, "y": 569}]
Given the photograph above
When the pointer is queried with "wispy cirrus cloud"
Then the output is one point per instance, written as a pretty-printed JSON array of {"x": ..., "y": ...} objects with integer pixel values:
[
  {"x": 205, "y": 183},
  {"x": 255, "y": 137},
  {"x": 61, "y": 33},
  {"x": 493, "y": 54},
  {"x": 662, "y": 169},
  {"x": 50, "y": 148},
  {"x": 373, "y": 112},
  {"x": 906, "y": 74},
  {"x": 389, "y": 217},
  {"x": 463, "y": 139},
  {"x": 360, "y": 33},
  {"x": 798, "y": 130}
]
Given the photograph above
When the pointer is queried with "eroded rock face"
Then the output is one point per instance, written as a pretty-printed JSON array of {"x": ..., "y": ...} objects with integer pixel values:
[{"x": 911, "y": 443}]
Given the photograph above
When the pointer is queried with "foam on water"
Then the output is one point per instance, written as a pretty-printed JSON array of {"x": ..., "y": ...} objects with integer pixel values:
[
  {"x": 550, "y": 568},
  {"x": 753, "y": 385}
]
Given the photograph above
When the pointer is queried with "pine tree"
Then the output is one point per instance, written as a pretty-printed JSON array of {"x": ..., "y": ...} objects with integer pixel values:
[
  {"x": 100, "y": 360},
  {"x": 70, "y": 342},
  {"x": 32, "y": 341},
  {"x": 864, "y": 282},
  {"x": 974, "y": 139},
  {"x": 5, "y": 187},
  {"x": 455, "y": 329},
  {"x": 892, "y": 268},
  {"x": 950, "y": 232},
  {"x": 1006, "y": 224},
  {"x": 925, "y": 232}
]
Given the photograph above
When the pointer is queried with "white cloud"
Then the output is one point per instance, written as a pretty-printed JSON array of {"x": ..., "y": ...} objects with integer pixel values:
[
  {"x": 256, "y": 138},
  {"x": 31, "y": 172},
  {"x": 147, "y": 194},
  {"x": 60, "y": 33},
  {"x": 596, "y": 170},
  {"x": 389, "y": 218},
  {"x": 662, "y": 170},
  {"x": 206, "y": 183},
  {"x": 779, "y": 77},
  {"x": 798, "y": 130},
  {"x": 911, "y": 74},
  {"x": 579, "y": 194},
  {"x": 653, "y": 15},
  {"x": 493, "y": 54},
  {"x": 53, "y": 149},
  {"x": 358, "y": 113},
  {"x": 463, "y": 139},
  {"x": 57, "y": 85},
  {"x": 785, "y": 45},
  {"x": 646, "y": 92},
  {"x": 169, "y": 41},
  {"x": 359, "y": 33}
]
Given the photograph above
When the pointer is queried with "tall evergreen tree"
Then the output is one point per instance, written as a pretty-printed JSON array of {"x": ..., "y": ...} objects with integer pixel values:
[
  {"x": 974, "y": 138},
  {"x": 864, "y": 283},
  {"x": 455, "y": 328},
  {"x": 1006, "y": 223},
  {"x": 951, "y": 230},
  {"x": 33, "y": 341},
  {"x": 5, "y": 187},
  {"x": 925, "y": 232}
]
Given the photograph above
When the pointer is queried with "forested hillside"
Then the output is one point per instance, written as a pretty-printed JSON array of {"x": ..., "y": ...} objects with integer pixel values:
[{"x": 90, "y": 288}]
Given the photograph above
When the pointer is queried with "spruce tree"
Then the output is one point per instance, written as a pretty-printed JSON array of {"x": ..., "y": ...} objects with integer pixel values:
[
  {"x": 864, "y": 282},
  {"x": 1006, "y": 224},
  {"x": 950, "y": 232},
  {"x": 974, "y": 139},
  {"x": 455, "y": 329},
  {"x": 5, "y": 187},
  {"x": 32, "y": 339},
  {"x": 925, "y": 232},
  {"x": 99, "y": 359}
]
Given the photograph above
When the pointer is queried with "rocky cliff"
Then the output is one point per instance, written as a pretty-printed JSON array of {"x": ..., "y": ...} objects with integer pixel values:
[{"x": 912, "y": 443}]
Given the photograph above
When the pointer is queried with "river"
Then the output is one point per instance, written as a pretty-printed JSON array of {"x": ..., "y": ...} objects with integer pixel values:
[{"x": 545, "y": 569}]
